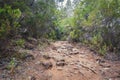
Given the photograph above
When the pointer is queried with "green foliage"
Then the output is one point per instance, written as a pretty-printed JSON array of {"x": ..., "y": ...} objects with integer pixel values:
[
  {"x": 8, "y": 19},
  {"x": 12, "y": 64},
  {"x": 35, "y": 18},
  {"x": 20, "y": 42},
  {"x": 41, "y": 21},
  {"x": 102, "y": 50},
  {"x": 97, "y": 40},
  {"x": 51, "y": 35},
  {"x": 99, "y": 19},
  {"x": 98, "y": 44},
  {"x": 74, "y": 35}
]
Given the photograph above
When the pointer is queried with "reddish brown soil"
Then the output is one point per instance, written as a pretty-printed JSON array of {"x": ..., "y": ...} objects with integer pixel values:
[{"x": 64, "y": 61}]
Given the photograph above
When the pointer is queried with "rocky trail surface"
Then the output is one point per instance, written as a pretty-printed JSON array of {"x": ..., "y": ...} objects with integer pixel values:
[{"x": 64, "y": 61}]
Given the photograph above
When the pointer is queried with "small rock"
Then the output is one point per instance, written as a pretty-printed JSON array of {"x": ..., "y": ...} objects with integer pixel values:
[
  {"x": 58, "y": 58},
  {"x": 33, "y": 41},
  {"x": 100, "y": 61},
  {"x": 106, "y": 68},
  {"x": 60, "y": 64},
  {"x": 105, "y": 65},
  {"x": 74, "y": 53},
  {"x": 75, "y": 68},
  {"x": 59, "y": 68},
  {"x": 75, "y": 72},
  {"x": 38, "y": 63},
  {"x": 59, "y": 50},
  {"x": 32, "y": 78},
  {"x": 54, "y": 48},
  {"x": 28, "y": 57},
  {"x": 47, "y": 65},
  {"x": 75, "y": 50},
  {"x": 109, "y": 79},
  {"x": 63, "y": 47},
  {"x": 71, "y": 63},
  {"x": 46, "y": 56},
  {"x": 29, "y": 46}
]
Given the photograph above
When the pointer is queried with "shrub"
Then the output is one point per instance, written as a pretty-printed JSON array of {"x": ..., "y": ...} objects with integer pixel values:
[
  {"x": 8, "y": 25},
  {"x": 20, "y": 42},
  {"x": 8, "y": 19},
  {"x": 74, "y": 35}
]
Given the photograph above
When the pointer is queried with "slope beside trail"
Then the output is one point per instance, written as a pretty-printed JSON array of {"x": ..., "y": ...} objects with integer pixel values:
[{"x": 64, "y": 61}]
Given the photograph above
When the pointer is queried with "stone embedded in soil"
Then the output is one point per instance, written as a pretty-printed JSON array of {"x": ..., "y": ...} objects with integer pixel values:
[
  {"x": 54, "y": 48},
  {"x": 46, "y": 56},
  {"x": 38, "y": 63},
  {"x": 74, "y": 53},
  {"x": 59, "y": 68},
  {"x": 63, "y": 47},
  {"x": 75, "y": 50},
  {"x": 28, "y": 57},
  {"x": 32, "y": 78},
  {"x": 61, "y": 63},
  {"x": 105, "y": 65},
  {"x": 29, "y": 46},
  {"x": 59, "y": 50},
  {"x": 58, "y": 58},
  {"x": 75, "y": 72},
  {"x": 76, "y": 68},
  {"x": 100, "y": 61},
  {"x": 47, "y": 65},
  {"x": 72, "y": 63}
]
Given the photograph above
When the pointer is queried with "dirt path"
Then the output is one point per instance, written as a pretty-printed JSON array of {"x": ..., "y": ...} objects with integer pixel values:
[
  {"x": 64, "y": 61},
  {"x": 72, "y": 63}
]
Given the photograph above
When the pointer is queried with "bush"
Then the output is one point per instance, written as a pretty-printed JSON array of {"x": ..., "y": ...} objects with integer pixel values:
[
  {"x": 8, "y": 25},
  {"x": 74, "y": 35},
  {"x": 8, "y": 19}
]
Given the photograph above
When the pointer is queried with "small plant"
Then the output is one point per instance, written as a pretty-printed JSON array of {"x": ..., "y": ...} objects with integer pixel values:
[
  {"x": 74, "y": 35},
  {"x": 97, "y": 40},
  {"x": 20, "y": 55},
  {"x": 97, "y": 43},
  {"x": 103, "y": 50},
  {"x": 12, "y": 65},
  {"x": 20, "y": 42}
]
